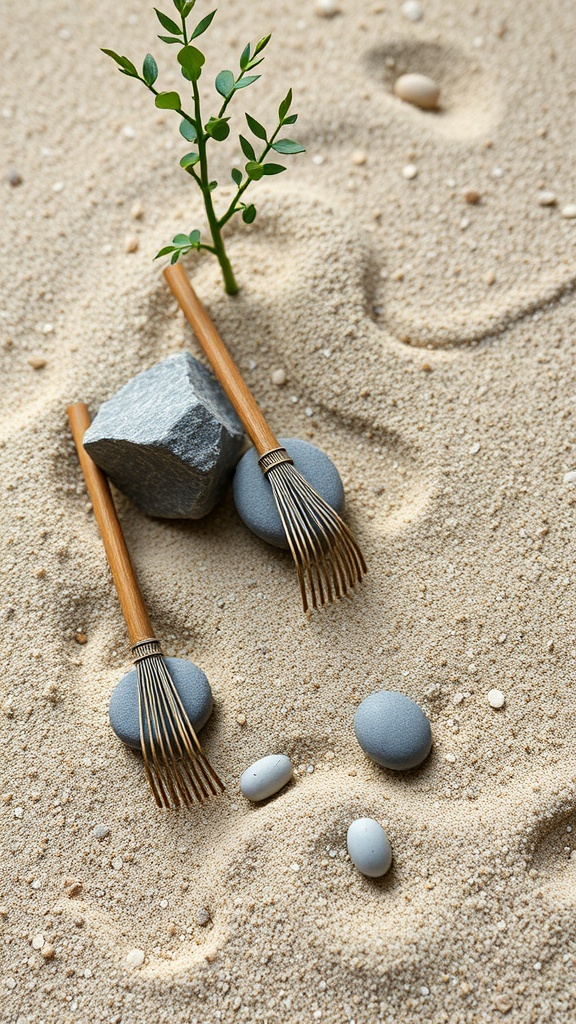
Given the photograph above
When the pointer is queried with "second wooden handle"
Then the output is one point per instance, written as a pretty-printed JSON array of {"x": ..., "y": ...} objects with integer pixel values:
[
  {"x": 221, "y": 361},
  {"x": 131, "y": 601}
]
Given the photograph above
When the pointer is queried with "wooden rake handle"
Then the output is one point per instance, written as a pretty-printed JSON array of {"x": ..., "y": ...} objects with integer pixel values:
[
  {"x": 131, "y": 601},
  {"x": 220, "y": 359}
]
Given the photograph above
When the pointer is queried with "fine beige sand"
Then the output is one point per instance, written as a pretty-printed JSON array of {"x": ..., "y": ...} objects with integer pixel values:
[{"x": 429, "y": 348}]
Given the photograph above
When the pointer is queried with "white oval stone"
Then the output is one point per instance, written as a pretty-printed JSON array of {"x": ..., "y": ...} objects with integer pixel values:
[
  {"x": 266, "y": 776},
  {"x": 135, "y": 958},
  {"x": 368, "y": 847},
  {"x": 412, "y": 10},
  {"x": 569, "y": 211},
  {"x": 496, "y": 699},
  {"x": 419, "y": 90}
]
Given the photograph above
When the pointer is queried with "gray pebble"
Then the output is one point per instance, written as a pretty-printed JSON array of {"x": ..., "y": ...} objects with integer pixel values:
[
  {"x": 100, "y": 831},
  {"x": 169, "y": 439},
  {"x": 253, "y": 492},
  {"x": 265, "y": 777},
  {"x": 368, "y": 847},
  {"x": 203, "y": 917},
  {"x": 393, "y": 730},
  {"x": 193, "y": 689}
]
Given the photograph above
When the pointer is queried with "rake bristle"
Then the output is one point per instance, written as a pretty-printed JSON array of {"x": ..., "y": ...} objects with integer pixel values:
[
  {"x": 178, "y": 771},
  {"x": 328, "y": 560}
]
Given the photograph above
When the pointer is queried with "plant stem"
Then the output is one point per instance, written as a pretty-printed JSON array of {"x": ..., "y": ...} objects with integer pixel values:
[{"x": 215, "y": 227}]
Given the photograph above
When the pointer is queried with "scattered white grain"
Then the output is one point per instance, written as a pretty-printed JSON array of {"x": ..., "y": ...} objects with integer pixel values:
[
  {"x": 318, "y": 159},
  {"x": 135, "y": 958},
  {"x": 410, "y": 171},
  {"x": 38, "y": 941},
  {"x": 412, "y": 10},
  {"x": 497, "y": 172}
]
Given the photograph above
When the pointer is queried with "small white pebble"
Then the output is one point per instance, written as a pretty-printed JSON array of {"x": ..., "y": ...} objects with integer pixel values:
[
  {"x": 457, "y": 698},
  {"x": 38, "y": 941},
  {"x": 326, "y": 8},
  {"x": 318, "y": 159},
  {"x": 135, "y": 958},
  {"x": 128, "y": 131},
  {"x": 18, "y": 812},
  {"x": 358, "y": 157},
  {"x": 570, "y": 478},
  {"x": 412, "y": 10},
  {"x": 451, "y": 758},
  {"x": 569, "y": 211},
  {"x": 497, "y": 172},
  {"x": 37, "y": 362},
  {"x": 424, "y": 990},
  {"x": 410, "y": 171},
  {"x": 475, "y": 448},
  {"x": 419, "y": 90},
  {"x": 137, "y": 211},
  {"x": 278, "y": 377},
  {"x": 295, "y": 867},
  {"x": 546, "y": 199},
  {"x": 496, "y": 698},
  {"x": 131, "y": 244},
  {"x": 117, "y": 863}
]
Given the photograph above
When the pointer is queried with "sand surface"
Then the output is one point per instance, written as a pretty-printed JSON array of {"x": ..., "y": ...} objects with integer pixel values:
[{"x": 429, "y": 348}]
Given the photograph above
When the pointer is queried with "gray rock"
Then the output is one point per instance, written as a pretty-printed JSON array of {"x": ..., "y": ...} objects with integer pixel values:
[
  {"x": 253, "y": 493},
  {"x": 265, "y": 777},
  {"x": 193, "y": 689},
  {"x": 100, "y": 831},
  {"x": 169, "y": 439},
  {"x": 368, "y": 847},
  {"x": 393, "y": 730}
]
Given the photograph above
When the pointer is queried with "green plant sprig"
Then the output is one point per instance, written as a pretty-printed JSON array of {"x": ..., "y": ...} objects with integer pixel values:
[{"x": 216, "y": 129}]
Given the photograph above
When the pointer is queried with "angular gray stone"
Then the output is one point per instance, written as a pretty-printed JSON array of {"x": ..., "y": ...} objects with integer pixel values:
[{"x": 169, "y": 439}]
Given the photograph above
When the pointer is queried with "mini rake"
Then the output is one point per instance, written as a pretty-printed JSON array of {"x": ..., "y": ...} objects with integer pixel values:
[
  {"x": 177, "y": 770},
  {"x": 328, "y": 560}
]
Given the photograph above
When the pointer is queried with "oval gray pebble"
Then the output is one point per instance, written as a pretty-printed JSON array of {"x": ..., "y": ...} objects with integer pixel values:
[
  {"x": 265, "y": 777},
  {"x": 253, "y": 494},
  {"x": 393, "y": 730},
  {"x": 368, "y": 847},
  {"x": 193, "y": 689}
]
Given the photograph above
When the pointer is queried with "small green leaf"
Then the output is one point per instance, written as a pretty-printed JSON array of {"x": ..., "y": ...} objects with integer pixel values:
[
  {"x": 125, "y": 65},
  {"x": 218, "y": 128},
  {"x": 263, "y": 42},
  {"x": 168, "y": 101},
  {"x": 149, "y": 69},
  {"x": 291, "y": 119},
  {"x": 164, "y": 251},
  {"x": 247, "y": 148},
  {"x": 203, "y": 25},
  {"x": 181, "y": 240},
  {"x": 115, "y": 56},
  {"x": 187, "y": 8},
  {"x": 253, "y": 63},
  {"x": 285, "y": 105},
  {"x": 288, "y": 147},
  {"x": 192, "y": 61},
  {"x": 254, "y": 170},
  {"x": 249, "y": 214},
  {"x": 212, "y": 186},
  {"x": 236, "y": 175},
  {"x": 194, "y": 237},
  {"x": 224, "y": 83},
  {"x": 189, "y": 160},
  {"x": 187, "y": 131},
  {"x": 273, "y": 168},
  {"x": 170, "y": 39},
  {"x": 243, "y": 83},
  {"x": 174, "y": 256},
  {"x": 167, "y": 23},
  {"x": 178, "y": 4},
  {"x": 256, "y": 128},
  {"x": 245, "y": 57}
]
